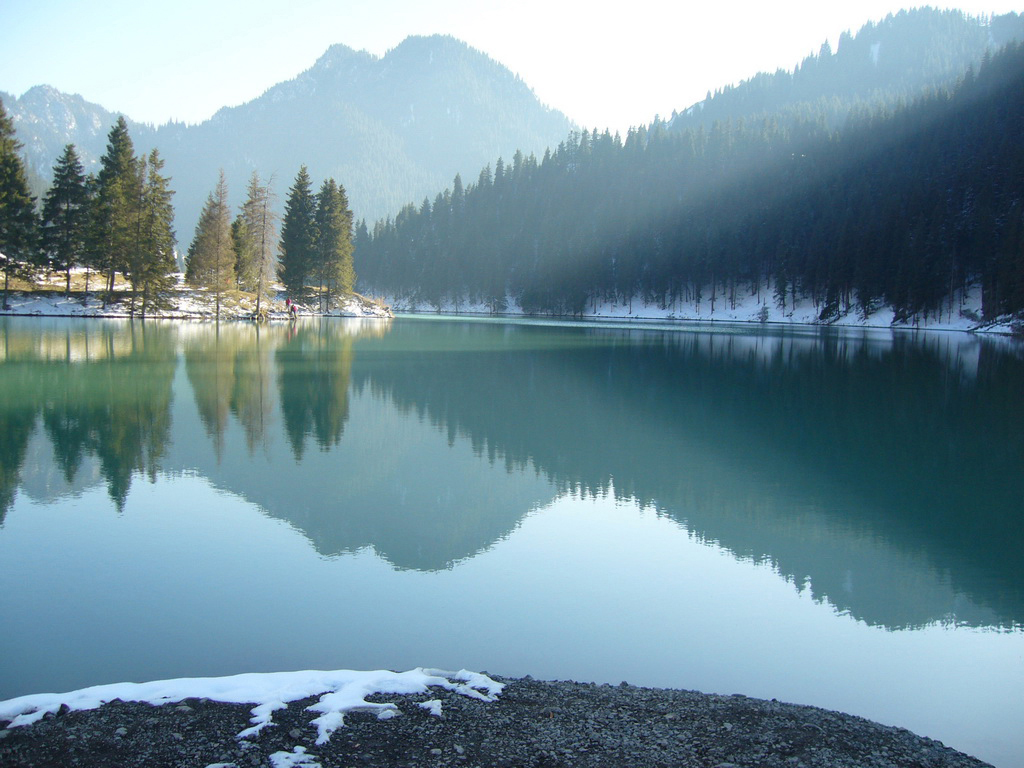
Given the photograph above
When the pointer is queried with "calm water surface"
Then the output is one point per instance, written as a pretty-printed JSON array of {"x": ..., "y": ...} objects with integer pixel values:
[{"x": 822, "y": 517}]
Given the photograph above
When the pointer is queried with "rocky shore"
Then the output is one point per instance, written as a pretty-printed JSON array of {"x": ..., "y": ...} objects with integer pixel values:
[{"x": 530, "y": 724}]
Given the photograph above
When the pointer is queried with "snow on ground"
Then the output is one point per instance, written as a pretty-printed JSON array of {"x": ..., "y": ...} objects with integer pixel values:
[
  {"x": 749, "y": 305},
  {"x": 340, "y": 691},
  {"x": 189, "y": 303}
]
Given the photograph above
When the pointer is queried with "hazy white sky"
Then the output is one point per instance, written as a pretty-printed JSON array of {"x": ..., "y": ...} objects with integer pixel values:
[{"x": 603, "y": 65}]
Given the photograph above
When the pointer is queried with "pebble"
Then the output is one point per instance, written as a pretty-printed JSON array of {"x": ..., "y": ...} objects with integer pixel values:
[{"x": 532, "y": 723}]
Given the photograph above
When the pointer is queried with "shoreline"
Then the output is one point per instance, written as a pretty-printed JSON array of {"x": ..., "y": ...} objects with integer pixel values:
[
  {"x": 1003, "y": 327},
  {"x": 529, "y": 723},
  {"x": 751, "y": 305},
  {"x": 186, "y": 304},
  {"x": 197, "y": 304}
]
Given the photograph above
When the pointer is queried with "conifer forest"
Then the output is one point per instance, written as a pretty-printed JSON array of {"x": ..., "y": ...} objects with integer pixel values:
[{"x": 903, "y": 205}]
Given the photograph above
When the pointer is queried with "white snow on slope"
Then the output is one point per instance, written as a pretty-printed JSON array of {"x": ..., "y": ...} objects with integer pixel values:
[
  {"x": 749, "y": 304},
  {"x": 340, "y": 691}
]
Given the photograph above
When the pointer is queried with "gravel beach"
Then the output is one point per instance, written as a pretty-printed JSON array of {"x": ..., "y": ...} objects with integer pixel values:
[{"x": 532, "y": 723}]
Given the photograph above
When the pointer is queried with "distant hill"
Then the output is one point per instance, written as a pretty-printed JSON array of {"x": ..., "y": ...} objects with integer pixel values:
[
  {"x": 906, "y": 213},
  {"x": 391, "y": 129},
  {"x": 894, "y": 60}
]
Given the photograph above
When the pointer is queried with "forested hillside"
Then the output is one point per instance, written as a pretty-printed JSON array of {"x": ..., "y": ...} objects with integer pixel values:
[
  {"x": 900, "y": 207},
  {"x": 883, "y": 64}
]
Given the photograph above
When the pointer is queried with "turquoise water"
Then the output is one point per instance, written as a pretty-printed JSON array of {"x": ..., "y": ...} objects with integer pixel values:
[{"x": 824, "y": 517}]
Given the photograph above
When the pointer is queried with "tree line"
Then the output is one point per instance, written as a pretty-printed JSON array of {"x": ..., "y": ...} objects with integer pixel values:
[
  {"x": 902, "y": 207},
  {"x": 313, "y": 253},
  {"x": 120, "y": 221}
]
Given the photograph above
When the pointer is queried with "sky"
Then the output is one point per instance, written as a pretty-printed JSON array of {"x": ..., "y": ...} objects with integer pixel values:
[{"x": 185, "y": 59}]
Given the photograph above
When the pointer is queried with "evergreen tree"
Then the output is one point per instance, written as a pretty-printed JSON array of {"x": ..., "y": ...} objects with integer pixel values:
[
  {"x": 19, "y": 228},
  {"x": 243, "y": 256},
  {"x": 66, "y": 215},
  {"x": 333, "y": 252},
  {"x": 298, "y": 235},
  {"x": 260, "y": 233},
  {"x": 153, "y": 267},
  {"x": 211, "y": 257},
  {"x": 113, "y": 226},
  {"x": 346, "y": 269}
]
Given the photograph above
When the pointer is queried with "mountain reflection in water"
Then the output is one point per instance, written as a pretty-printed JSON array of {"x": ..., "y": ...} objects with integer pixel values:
[{"x": 880, "y": 471}]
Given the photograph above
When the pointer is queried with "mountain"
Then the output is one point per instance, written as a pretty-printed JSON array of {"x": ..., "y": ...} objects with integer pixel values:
[
  {"x": 894, "y": 60},
  {"x": 46, "y": 120},
  {"x": 905, "y": 213},
  {"x": 390, "y": 129}
]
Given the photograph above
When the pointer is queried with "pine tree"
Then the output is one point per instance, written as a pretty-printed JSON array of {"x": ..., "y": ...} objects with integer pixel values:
[
  {"x": 112, "y": 227},
  {"x": 154, "y": 266},
  {"x": 333, "y": 252},
  {"x": 260, "y": 232},
  {"x": 298, "y": 235},
  {"x": 66, "y": 215},
  {"x": 243, "y": 255},
  {"x": 346, "y": 270},
  {"x": 211, "y": 257},
  {"x": 19, "y": 229}
]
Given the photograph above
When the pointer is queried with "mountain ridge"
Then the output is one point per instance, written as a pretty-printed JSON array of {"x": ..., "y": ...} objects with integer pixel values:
[
  {"x": 899, "y": 57},
  {"x": 390, "y": 129}
]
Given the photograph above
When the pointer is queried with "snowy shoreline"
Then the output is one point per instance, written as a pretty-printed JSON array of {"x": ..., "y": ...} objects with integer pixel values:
[
  {"x": 755, "y": 307},
  {"x": 50, "y": 299},
  {"x": 426, "y": 716},
  {"x": 748, "y": 307},
  {"x": 191, "y": 306}
]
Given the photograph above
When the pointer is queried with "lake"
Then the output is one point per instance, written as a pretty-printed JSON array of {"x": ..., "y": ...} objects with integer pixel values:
[{"x": 819, "y": 516}]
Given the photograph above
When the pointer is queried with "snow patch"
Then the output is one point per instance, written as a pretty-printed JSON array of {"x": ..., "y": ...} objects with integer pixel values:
[
  {"x": 188, "y": 303},
  {"x": 433, "y": 707},
  {"x": 295, "y": 759},
  {"x": 340, "y": 692}
]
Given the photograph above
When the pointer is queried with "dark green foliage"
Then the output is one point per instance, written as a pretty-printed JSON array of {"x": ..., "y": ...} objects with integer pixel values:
[
  {"x": 902, "y": 208},
  {"x": 152, "y": 266},
  {"x": 129, "y": 228},
  {"x": 19, "y": 226},
  {"x": 333, "y": 252},
  {"x": 243, "y": 257},
  {"x": 298, "y": 236},
  {"x": 113, "y": 226},
  {"x": 65, "y": 216}
]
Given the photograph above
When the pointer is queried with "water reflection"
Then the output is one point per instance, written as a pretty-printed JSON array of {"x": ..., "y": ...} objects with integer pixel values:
[
  {"x": 880, "y": 472},
  {"x": 314, "y": 367},
  {"x": 102, "y": 391},
  {"x": 840, "y": 458}
]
